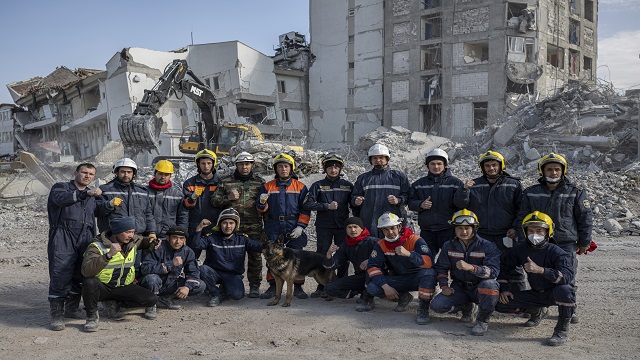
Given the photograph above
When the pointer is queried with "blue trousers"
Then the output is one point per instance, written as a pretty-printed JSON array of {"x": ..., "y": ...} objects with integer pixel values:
[
  {"x": 232, "y": 283},
  {"x": 160, "y": 286},
  {"x": 425, "y": 279},
  {"x": 562, "y": 295},
  {"x": 325, "y": 237},
  {"x": 435, "y": 239},
  {"x": 485, "y": 294},
  {"x": 341, "y": 287}
]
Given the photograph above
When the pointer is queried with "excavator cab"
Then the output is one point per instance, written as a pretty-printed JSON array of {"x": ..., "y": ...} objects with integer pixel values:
[{"x": 190, "y": 141}]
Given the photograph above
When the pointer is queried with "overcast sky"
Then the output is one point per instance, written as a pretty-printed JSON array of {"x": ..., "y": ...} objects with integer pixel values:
[{"x": 40, "y": 35}]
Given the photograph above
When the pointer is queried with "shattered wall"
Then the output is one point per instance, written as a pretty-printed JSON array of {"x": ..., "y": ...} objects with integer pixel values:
[{"x": 471, "y": 21}]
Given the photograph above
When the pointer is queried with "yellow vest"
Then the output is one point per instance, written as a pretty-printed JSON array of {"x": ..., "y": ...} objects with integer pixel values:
[{"x": 119, "y": 271}]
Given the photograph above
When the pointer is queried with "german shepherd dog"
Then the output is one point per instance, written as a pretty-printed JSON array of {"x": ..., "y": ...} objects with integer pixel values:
[{"x": 285, "y": 264}]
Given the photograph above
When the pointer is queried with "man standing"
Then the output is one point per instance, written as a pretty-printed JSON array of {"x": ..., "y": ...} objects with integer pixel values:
[
  {"x": 166, "y": 200},
  {"x": 239, "y": 191},
  {"x": 567, "y": 204},
  {"x": 282, "y": 202},
  {"x": 432, "y": 196},
  {"x": 226, "y": 250},
  {"x": 171, "y": 271},
  {"x": 71, "y": 207},
  {"x": 380, "y": 190},
  {"x": 109, "y": 272},
  {"x": 330, "y": 197},
  {"x": 474, "y": 264}
]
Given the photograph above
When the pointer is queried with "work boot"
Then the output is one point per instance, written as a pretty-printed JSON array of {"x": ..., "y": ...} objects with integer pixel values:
[
  {"x": 560, "y": 332},
  {"x": 254, "y": 291},
  {"x": 404, "y": 299},
  {"x": 366, "y": 303},
  {"x": 269, "y": 293},
  {"x": 150, "y": 313},
  {"x": 56, "y": 308},
  {"x": 469, "y": 312},
  {"x": 214, "y": 301},
  {"x": 112, "y": 309},
  {"x": 482, "y": 323},
  {"x": 168, "y": 302},
  {"x": 72, "y": 307},
  {"x": 422, "y": 317},
  {"x": 319, "y": 292},
  {"x": 299, "y": 292},
  {"x": 537, "y": 315},
  {"x": 92, "y": 322},
  {"x": 575, "y": 319}
]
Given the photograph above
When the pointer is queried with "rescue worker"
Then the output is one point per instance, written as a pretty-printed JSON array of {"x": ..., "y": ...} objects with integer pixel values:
[
  {"x": 226, "y": 250},
  {"x": 166, "y": 199},
  {"x": 355, "y": 249},
  {"x": 495, "y": 198},
  {"x": 171, "y": 271},
  {"x": 330, "y": 198},
  {"x": 566, "y": 203},
  {"x": 433, "y": 198},
  {"x": 282, "y": 202},
  {"x": 408, "y": 260},
  {"x": 197, "y": 191},
  {"x": 108, "y": 269},
  {"x": 474, "y": 264},
  {"x": 240, "y": 190},
  {"x": 380, "y": 190},
  {"x": 550, "y": 274},
  {"x": 71, "y": 208}
]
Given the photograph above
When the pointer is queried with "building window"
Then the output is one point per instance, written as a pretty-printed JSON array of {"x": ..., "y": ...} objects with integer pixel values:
[
  {"x": 516, "y": 44},
  {"x": 281, "y": 87},
  {"x": 480, "y": 115},
  {"x": 574, "y": 32},
  {"x": 432, "y": 27},
  {"x": 431, "y": 57},
  {"x": 476, "y": 52},
  {"x": 216, "y": 83},
  {"x": 432, "y": 88},
  {"x": 431, "y": 115},
  {"x": 430, "y": 4},
  {"x": 351, "y": 91},
  {"x": 555, "y": 56},
  {"x": 352, "y": 65},
  {"x": 514, "y": 10},
  {"x": 530, "y": 49},
  {"x": 588, "y": 10},
  {"x": 588, "y": 68},
  {"x": 285, "y": 115},
  {"x": 208, "y": 83},
  {"x": 513, "y": 87},
  {"x": 351, "y": 12},
  {"x": 351, "y": 37},
  {"x": 183, "y": 112},
  {"x": 220, "y": 112},
  {"x": 574, "y": 62},
  {"x": 574, "y": 6}
]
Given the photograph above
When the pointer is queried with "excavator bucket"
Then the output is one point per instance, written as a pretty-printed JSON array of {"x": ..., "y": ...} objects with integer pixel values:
[{"x": 140, "y": 132}]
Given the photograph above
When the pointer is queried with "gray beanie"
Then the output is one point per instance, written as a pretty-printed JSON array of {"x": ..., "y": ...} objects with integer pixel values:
[{"x": 122, "y": 224}]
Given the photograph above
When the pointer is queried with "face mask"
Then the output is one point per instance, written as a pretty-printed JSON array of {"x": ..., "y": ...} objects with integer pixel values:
[
  {"x": 552, "y": 180},
  {"x": 536, "y": 239},
  {"x": 392, "y": 240}
]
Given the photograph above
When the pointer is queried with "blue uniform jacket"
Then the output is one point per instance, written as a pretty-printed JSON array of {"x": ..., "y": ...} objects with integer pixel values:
[
  {"x": 284, "y": 208},
  {"x": 201, "y": 207},
  {"x": 375, "y": 186},
  {"x": 160, "y": 262},
  {"x": 135, "y": 203},
  {"x": 496, "y": 206},
  {"x": 72, "y": 210},
  {"x": 441, "y": 189},
  {"x": 354, "y": 254},
  {"x": 482, "y": 254},
  {"x": 225, "y": 254},
  {"x": 168, "y": 209},
  {"x": 322, "y": 193}
]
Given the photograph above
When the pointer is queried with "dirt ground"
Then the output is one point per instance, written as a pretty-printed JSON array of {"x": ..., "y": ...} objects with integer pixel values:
[{"x": 608, "y": 299}]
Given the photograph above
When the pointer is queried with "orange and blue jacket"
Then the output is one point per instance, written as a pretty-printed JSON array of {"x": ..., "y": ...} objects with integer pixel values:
[
  {"x": 200, "y": 208},
  {"x": 284, "y": 209}
]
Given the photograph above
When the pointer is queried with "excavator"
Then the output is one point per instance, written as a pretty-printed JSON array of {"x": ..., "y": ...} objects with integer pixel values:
[{"x": 140, "y": 131}]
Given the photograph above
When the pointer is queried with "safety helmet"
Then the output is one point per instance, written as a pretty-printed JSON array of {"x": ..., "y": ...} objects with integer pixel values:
[
  {"x": 126, "y": 162},
  {"x": 538, "y": 218},
  {"x": 464, "y": 217},
  {"x": 208, "y": 154},
  {"x": 244, "y": 157},
  {"x": 491, "y": 155},
  {"x": 229, "y": 213},
  {"x": 379, "y": 149},
  {"x": 330, "y": 159},
  {"x": 285, "y": 158},
  {"x": 389, "y": 219},
  {"x": 437, "y": 154},
  {"x": 552, "y": 158},
  {"x": 164, "y": 166}
]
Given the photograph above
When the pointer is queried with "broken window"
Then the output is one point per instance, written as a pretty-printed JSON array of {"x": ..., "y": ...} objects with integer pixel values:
[
  {"x": 432, "y": 27},
  {"x": 588, "y": 68},
  {"x": 183, "y": 112},
  {"x": 574, "y": 32},
  {"x": 430, "y": 4},
  {"x": 480, "y": 115},
  {"x": 432, "y": 88},
  {"x": 281, "y": 87},
  {"x": 530, "y": 49},
  {"x": 216, "y": 83},
  {"x": 220, "y": 112},
  {"x": 515, "y": 9},
  {"x": 285, "y": 115},
  {"x": 574, "y": 62},
  {"x": 476, "y": 52},
  {"x": 574, "y": 7},
  {"x": 513, "y": 87},
  {"x": 431, "y": 115},
  {"x": 588, "y": 10},
  {"x": 555, "y": 56},
  {"x": 208, "y": 83},
  {"x": 431, "y": 57}
]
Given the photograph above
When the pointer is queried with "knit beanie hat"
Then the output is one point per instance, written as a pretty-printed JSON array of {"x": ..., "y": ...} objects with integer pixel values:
[
  {"x": 122, "y": 224},
  {"x": 354, "y": 220}
]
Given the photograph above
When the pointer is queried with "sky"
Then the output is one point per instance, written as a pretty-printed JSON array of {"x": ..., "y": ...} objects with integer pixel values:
[{"x": 40, "y": 35}]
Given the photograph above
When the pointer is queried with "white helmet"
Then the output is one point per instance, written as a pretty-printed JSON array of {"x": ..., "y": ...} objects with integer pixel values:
[
  {"x": 389, "y": 219},
  {"x": 244, "y": 157},
  {"x": 437, "y": 154},
  {"x": 126, "y": 162},
  {"x": 379, "y": 149}
]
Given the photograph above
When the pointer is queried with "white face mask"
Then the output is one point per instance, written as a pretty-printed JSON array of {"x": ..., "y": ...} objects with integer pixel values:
[
  {"x": 552, "y": 180},
  {"x": 536, "y": 239},
  {"x": 392, "y": 240}
]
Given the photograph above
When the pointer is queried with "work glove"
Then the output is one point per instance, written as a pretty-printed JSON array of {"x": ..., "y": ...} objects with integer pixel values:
[
  {"x": 197, "y": 193},
  {"x": 264, "y": 198},
  {"x": 116, "y": 201},
  {"x": 296, "y": 232}
]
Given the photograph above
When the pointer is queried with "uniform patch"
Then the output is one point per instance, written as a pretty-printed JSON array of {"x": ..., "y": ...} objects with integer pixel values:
[
  {"x": 345, "y": 187},
  {"x": 586, "y": 204},
  {"x": 374, "y": 254},
  {"x": 424, "y": 249},
  {"x": 325, "y": 187}
]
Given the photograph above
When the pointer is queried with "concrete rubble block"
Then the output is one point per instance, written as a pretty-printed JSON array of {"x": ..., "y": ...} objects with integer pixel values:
[
  {"x": 506, "y": 132},
  {"x": 509, "y": 153},
  {"x": 592, "y": 123},
  {"x": 612, "y": 226},
  {"x": 468, "y": 59},
  {"x": 636, "y": 224},
  {"x": 604, "y": 142},
  {"x": 532, "y": 154},
  {"x": 419, "y": 137},
  {"x": 619, "y": 157},
  {"x": 400, "y": 130},
  {"x": 433, "y": 142}
]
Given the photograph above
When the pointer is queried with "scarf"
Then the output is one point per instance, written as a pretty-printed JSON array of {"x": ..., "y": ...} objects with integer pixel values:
[
  {"x": 404, "y": 235},
  {"x": 155, "y": 186},
  {"x": 241, "y": 177},
  {"x": 354, "y": 241}
]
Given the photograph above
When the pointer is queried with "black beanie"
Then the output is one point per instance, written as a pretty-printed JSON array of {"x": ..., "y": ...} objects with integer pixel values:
[
  {"x": 122, "y": 224},
  {"x": 354, "y": 220}
]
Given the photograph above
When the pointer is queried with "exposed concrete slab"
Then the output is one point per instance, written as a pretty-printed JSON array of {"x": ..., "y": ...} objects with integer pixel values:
[
  {"x": 594, "y": 141},
  {"x": 592, "y": 123},
  {"x": 506, "y": 132}
]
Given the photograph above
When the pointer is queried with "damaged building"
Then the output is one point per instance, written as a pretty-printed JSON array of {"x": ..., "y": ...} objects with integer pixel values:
[{"x": 447, "y": 68}]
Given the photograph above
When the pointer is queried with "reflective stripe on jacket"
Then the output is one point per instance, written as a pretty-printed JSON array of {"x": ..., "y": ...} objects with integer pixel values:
[
  {"x": 441, "y": 189},
  {"x": 120, "y": 270}
]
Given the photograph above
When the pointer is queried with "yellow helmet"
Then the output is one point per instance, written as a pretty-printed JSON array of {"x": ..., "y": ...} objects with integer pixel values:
[
  {"x": 538, "y": 218},
  {"x": 552, "y": 158},
  {"x": 164, "y": 166},
  {"x": 464, "y": 217},
  {"x": 208, "y": 154},
  {"x": 285, "y": 158},
  {"x": 491, "y": 155}
]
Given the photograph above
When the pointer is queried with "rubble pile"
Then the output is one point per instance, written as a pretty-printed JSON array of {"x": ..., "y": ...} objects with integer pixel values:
[{"x": 307, "y": 162}]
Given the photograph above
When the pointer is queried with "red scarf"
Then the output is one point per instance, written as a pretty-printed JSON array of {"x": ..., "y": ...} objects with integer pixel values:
[
  {"x": 155, "y": 186},
  {"x": 354, "y": 241},
  {"x": 406, "y": 232}
]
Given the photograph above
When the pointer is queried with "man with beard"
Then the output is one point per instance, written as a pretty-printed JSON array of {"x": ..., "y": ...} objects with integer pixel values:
[
  {"x": 432, "y": 196},
  {"x": 71, "y": 207},
  {"x": 239, "y": 191},
  {"x": 408, "y": 261},
  {"x": 166, "y": 200}
]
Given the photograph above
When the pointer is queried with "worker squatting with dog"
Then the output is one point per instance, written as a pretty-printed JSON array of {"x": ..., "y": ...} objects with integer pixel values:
[{"x": 389, "y": 265}]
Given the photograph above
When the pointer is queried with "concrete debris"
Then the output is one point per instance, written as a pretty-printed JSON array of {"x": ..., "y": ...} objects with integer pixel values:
[{"x": 613, "y": 227}]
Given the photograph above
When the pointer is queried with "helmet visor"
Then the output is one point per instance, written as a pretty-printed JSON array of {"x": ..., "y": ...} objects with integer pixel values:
[{"x": 464, "y": 220}]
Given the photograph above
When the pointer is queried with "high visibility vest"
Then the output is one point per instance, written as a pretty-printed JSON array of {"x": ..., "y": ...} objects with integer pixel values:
[{"x": 119, "y": 271}]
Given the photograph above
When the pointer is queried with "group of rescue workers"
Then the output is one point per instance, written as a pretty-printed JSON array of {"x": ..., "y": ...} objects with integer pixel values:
[{"x": 483, "y": 241}]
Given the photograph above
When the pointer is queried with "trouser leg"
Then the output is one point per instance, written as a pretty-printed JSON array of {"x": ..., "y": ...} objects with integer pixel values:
[
  {"x": 487, "y": 294},
  {"x": 233, "y": 285},
  {"x": 342, "y": 287}
]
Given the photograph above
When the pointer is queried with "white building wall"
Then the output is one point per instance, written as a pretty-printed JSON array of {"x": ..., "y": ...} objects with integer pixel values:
[
  {"x": 6, "y": 131},
  {"x": 472, "y": 84},
  {"x": 462, "y": 120}
]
